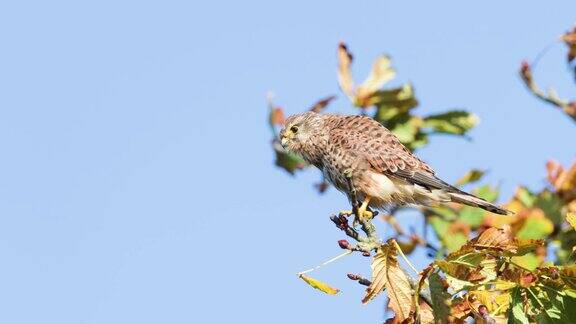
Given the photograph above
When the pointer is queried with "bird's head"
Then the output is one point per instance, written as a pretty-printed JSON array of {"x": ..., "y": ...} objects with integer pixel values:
[{"x": 300, "y": 131}]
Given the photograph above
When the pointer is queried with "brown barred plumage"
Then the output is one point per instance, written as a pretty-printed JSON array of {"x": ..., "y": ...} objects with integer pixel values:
[{"x": 380, "y": 168}]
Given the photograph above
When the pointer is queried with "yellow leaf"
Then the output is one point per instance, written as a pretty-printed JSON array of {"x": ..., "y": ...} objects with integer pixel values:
[
  {"x": 470, "y": 176},
  {"x": 497, "y": 302},
  {"x": 535, "y": 225},
  {"x": 529, "y": 261},
  {"x": 381, "y": 73},
  {"x": 503, "y": 285},
  {"x": 571, "y": 218},
  {"x": 319, "y": 285}
]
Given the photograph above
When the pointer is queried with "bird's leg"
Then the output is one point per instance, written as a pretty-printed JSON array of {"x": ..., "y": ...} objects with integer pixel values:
[
  {"x": 364, "y": 211},
  {"x": 352, "y": 196}
]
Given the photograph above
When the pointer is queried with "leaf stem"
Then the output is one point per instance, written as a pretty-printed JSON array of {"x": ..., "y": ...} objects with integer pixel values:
[
  {"x": 326, "y": 262},
  {"x": 404, "y": 257},
  {"x": 518, "y": 266}
]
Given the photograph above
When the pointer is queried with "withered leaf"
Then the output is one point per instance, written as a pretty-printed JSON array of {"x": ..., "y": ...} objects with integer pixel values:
[
  {"x": 381, "y": 73},
  {"x": 385, "y": 257},
  {"x": 387, "y": 274},
  {"x": 399, "y": 292},
  {"x": 569, "y": 39},
  {"x": 277, "y": 116},
  {"x": 568, "y": 275},
  {"x": 495, "y": 238},
  {"x": 321, "y": 104},
  {"x": 345, "y": 79}
]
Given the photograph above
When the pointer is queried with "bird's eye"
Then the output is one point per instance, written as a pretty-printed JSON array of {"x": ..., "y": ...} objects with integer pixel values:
[{"x": 294, "y": 129}]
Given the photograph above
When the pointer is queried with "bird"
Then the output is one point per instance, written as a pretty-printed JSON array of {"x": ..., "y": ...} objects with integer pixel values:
[{"x": 368, "y": 163}]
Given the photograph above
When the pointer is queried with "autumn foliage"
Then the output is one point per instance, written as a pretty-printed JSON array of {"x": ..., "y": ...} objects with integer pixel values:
[{"x": 486, "y": 267}]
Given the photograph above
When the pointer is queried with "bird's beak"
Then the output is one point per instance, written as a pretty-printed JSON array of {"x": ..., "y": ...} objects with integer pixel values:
[{"x": 283, "y": 140}]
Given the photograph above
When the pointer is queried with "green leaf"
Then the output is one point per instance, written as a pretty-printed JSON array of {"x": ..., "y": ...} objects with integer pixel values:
[
  {"x": 516, "y": 314},
  {"x": 470, "y": 177},
  {"x": 555, "y": 306},
  {"x": 487, "y": 192},
  {"x": 317, "y": 284},
  {"x": 525, "y": 196},
  {"x": 453, "y": 122},
  {"x": 451, "y": 241},
  {"x": 394, "y": 102},
  {"x": 457, "y": 284},
  {"x": 406, "y": 131},
  {"x": 471, "y": 259},
  {"x": 551, "y": 205},
  {"x": 439, "y": 225},
  {"x": 454, "y": 241},
  {"x": 444, "y": 213},
  {"x": 472, "y": 216},
  {"x": 536, "y": 226},
  {"x": 529, "y": 261},
  {"x": 288, "y": 161},
  {"x": 420, "y": 140},
  {"x": 440, "y": 299}
]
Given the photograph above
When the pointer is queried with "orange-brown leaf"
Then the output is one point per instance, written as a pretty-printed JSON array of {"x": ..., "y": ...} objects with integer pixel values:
[
  {"x": 321, "y": 104},
  {"x": 495, "y": 238},
  {"x": 570, "y": 40},
  {"x": 277, "y": 116}
]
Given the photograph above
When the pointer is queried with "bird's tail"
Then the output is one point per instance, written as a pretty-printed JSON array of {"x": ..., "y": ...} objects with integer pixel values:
[{"x": 471, "y": 200}]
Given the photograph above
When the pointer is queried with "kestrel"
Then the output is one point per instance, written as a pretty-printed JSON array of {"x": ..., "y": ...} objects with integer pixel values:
[{"x": 367, "y": 162}]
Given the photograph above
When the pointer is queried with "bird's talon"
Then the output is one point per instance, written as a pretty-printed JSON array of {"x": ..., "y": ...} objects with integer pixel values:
[{"x": 346, "y": 213}]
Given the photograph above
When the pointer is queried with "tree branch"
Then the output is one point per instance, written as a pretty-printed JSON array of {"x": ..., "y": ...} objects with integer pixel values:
[{"x": 569, "y": 107}]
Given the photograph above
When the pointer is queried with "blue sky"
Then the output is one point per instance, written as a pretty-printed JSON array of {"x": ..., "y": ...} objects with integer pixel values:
[{"x": 137, "y": 183}]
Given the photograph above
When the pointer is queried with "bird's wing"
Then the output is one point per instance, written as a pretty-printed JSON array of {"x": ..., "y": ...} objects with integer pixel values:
[
  {"x": 374, "y": 142},
  {"x": 384, "y": 152}
]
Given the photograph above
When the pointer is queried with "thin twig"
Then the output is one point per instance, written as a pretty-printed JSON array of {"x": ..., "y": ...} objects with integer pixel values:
[{"x": 552, "y": 98}]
